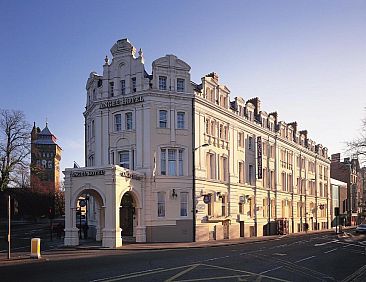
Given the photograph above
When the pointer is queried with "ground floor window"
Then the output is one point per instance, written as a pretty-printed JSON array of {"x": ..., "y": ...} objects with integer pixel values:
[
  {"x": 183, "y": 203},
  {"x": 161, "y": 204}
]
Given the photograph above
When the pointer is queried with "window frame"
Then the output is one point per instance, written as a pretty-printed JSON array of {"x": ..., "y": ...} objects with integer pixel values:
[
  {"x": 161, "y": 204},
  {"x": 122, "y": 162},
  {"x": 181, "y": 120},
  {"x": 117, "y": 126},
  {"x": 128, "y": 121},
  {"x": 163, "y": 82},
  {"x": 180, "y": 88},
  {"x": 163, "y": 123},
  {"x": 184, "y": 204}
]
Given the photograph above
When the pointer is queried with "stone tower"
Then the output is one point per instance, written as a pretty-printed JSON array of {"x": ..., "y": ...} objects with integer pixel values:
[{"x": 45, "y": 161}]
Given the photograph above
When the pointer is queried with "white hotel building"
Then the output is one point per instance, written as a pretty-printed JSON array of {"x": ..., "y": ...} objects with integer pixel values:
[{"x": 252, "y": 175}]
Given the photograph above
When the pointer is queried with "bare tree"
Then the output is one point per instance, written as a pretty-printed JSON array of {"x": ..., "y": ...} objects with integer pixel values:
[
  {"x": 14, "y": 145},
  {"x": 357, "y": 146}
]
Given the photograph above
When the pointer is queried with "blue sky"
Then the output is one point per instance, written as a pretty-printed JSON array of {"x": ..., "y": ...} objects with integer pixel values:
[{"x": 304, "y": 59}]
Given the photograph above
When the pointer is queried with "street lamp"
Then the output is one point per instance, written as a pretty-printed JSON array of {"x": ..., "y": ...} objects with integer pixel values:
[{"x": 194, "y": 188}]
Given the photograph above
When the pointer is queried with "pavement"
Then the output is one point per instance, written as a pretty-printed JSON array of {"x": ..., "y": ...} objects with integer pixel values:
[{"x": 57, "y": 251}]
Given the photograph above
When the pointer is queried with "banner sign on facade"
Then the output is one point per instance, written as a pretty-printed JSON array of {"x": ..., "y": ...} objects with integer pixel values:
[
  {"x": 259, "y": 157},
  {"x": 121, "y": 102},
  {"x": 87, "y": 173}
]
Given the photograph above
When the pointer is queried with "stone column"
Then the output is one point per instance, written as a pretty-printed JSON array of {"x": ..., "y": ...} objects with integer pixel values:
[
  {"x": 140, "y": 228},
  {"x": 112, "y": 231},
  {"x": 71, "y": 232}
]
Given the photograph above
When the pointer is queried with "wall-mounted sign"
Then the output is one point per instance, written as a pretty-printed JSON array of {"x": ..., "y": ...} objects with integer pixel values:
[
  {"x": 207, "y": 198},
  {"x": 121, "y": 102},
  {"x": 259, "y": 157},
  {"x": 200, "y": 207},
  {"x": 129, "y": 174},
  {"x": 88, "y": 173}
]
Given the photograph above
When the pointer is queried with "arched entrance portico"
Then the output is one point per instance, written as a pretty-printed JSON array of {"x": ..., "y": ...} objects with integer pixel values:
[
  {"x": 91, "y": 216},
  {"x": 108, "y": 188}
]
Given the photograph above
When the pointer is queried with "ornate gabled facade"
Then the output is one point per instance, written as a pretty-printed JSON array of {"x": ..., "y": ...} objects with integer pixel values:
[{"x": 251, "y": 173}]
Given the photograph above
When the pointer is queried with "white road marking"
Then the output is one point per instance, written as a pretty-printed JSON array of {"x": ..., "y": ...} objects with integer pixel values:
[
  {"x": 349, "y": 245},
  {"x": 304, "y": 259},
  {"x": 211, "y": 259},
  {"x": 133, "y": 273},
  {"x": 279, "y": 254},
  {"x": 273, "y": 269},
  {"x": 326, "y": 243},
  {"x": 327, "y": 252}
]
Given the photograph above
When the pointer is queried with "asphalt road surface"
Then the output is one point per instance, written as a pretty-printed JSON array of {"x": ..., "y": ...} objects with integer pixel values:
[{"x": 308, "y": 257}]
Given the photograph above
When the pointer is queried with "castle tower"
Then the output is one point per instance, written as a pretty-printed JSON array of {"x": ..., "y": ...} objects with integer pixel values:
[{"x": 45, "y": 160}]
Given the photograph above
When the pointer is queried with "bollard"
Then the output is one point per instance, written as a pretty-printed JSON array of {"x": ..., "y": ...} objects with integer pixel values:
[{"x": 36, "y": 248}]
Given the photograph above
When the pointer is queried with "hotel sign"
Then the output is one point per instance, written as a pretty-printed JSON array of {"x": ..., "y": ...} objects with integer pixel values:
[
  {"x": 129, "y": 174},
  {"x": 121, "y": 102},
  {"x": 259, "y": 157},
  {"x": 88, "y": 173}
]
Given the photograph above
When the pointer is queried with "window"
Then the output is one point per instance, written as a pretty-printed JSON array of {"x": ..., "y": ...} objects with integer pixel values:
[
  {"x": 180, "y": 85},
  {"x": 272, "y": 182},
  {"x": 241, "y": 139},
  {"x": 265, "y": 207},
  {"x": 173, "y": 164},
  {"x": 161, "y": 204},
  {"x": 284, "y": 182},
  {"x": 250, "y": 175},
  {"x": 94, "y": 95},
  {"x": 163, "y": 162},
  {"x": 250, "y": 143},
  {"x": 207, "y": 126},
  {"x": 241, "y": 172},
  {"x": 223, "y": 205},
  {"x": 223, "y": 169},
  {"x": 210, "y": 166},
  {"x": 180, "y": 162},
  {"x": 163, "y": 119},
  {"x": 117, "y": 122},
  {"x": 210, "y": 206},
  {"x": 180, "y": 120},
  {"x": 123, "y": 87},
  {"x": 272, "y": 152},
  {"x": 124, "y": 159},
  {"x": 111, "y": 88},
  {"x": 128, "y": 117},
  {"x": 183, "y": 203},
  {"x": 133, "y": 83},
  {"x": 162, "y": 82}
]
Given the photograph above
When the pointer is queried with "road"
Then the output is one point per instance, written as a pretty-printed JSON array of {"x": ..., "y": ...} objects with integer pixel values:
[
  {"x": 23, "y": 231},
  {"x": 307, "y": 257}
]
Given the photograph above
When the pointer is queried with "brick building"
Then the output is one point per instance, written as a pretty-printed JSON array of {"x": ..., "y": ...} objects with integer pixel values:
[{"x": 349, "y": 171}]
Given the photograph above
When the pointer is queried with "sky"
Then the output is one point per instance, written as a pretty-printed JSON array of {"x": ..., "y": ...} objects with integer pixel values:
[{"x": 304, "y": 59}]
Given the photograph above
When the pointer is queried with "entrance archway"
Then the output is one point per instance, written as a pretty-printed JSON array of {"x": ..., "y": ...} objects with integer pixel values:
[
  {"x": 127, "y": 215},
  {"x": 88, "y": 215}
]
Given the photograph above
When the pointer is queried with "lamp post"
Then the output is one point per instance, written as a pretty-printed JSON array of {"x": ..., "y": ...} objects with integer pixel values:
[
  {"x": 194, "y": 188},
  {"x": 9, "y": 213}
]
